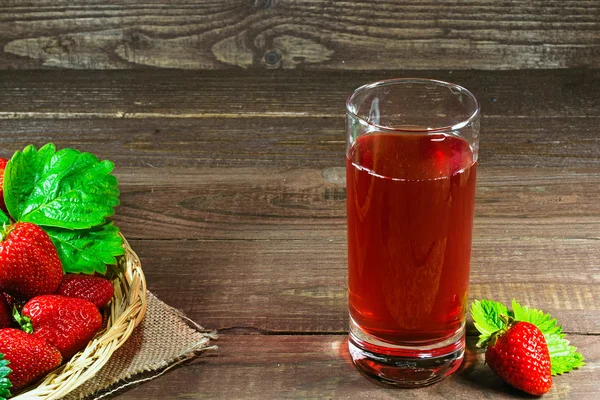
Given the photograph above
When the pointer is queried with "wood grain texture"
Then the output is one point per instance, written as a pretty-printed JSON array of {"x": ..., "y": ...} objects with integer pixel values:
[
  {"x": 288, "y": 142},
  {"x": 208, "y": 187},
  {"x": 274, "y": 286},
  {"x": 271, "y": 244},
  {"x": 319, "y": 367},
  {"x": 233, "y": 196},
  {"x": 295, "y": 204},
  {"x": 284, "y": 94},
  {"x": 542, "y": 118},
  {"x": 303, "y": 34}
]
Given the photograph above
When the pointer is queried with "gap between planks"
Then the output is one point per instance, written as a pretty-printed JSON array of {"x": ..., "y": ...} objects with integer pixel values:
[
  {"x": 248, "y": 331},
  {"x": 152, "y": 115},
  {"x": 12, "y": 115}
]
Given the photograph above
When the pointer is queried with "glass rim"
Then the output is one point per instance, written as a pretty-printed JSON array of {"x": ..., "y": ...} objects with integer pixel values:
[{"x": 392, "y": 81}]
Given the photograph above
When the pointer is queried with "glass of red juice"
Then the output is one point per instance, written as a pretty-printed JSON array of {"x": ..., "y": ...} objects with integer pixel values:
[{"x": 411, "y": 163}]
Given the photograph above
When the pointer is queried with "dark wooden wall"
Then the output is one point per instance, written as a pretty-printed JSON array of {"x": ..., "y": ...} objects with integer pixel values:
[{"x": 305, "y": 34}]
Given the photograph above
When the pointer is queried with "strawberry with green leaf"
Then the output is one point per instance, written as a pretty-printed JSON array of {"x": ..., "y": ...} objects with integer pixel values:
[
  {"x": 55, "y": 210},
  {"x": 524, "y": 346},
  {"x": 71, "y": 195},
  {"x": 519, "y": 355}
]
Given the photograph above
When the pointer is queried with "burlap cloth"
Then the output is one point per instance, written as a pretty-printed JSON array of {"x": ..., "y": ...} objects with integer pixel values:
[{"x": 162, "y": 340}]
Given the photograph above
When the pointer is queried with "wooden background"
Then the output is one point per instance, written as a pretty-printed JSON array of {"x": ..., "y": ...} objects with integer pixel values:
[
  {"x": 300, "y": 34},
  {"x": 225, "y": 120}
]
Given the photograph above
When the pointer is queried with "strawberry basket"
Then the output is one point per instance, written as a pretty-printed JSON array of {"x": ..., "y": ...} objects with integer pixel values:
[{"x": 123, "y": 314}]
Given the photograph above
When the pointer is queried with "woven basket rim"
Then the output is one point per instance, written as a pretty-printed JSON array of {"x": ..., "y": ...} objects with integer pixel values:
[{"x": 127, "y": 310}]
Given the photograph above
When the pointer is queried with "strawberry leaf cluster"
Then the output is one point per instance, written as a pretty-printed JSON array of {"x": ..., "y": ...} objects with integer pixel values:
[
  {"x": 71, "y": 195},
  {"x": 487, "y": 319}
]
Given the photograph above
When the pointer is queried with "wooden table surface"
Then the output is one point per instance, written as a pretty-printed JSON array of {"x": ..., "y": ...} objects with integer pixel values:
[{"x": 233, "y": 195}]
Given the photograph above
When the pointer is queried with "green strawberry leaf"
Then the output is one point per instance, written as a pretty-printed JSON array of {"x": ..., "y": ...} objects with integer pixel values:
[
  {"x": 563, "y": 357},
  {"x": 486, "y": 317},
  {"x": 66, "y": 188},
  {"x": 5, "y": 383},
  {"x": 544, "y": 322},
  {"x": 562, "y": 364},
  {"x": 87, "y": 251},
  {"x": 4, "y": 220}
]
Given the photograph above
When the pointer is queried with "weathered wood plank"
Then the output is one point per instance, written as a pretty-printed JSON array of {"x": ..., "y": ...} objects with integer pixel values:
[
  {"x": 300, "y": 285},
  {"x": 310, "y": 204},
  {"x": 296, "y": 204},
  {"x": 289, "y": 142},
  {"x": 234, "y": 94},
  {"x": 205, "y": 34},
  {"x": 317, "y": 367}
]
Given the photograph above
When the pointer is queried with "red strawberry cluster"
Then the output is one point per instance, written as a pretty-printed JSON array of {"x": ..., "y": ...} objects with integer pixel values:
[
  {"x": 55, "y": 208},
  {"x": 60, "y": 314}
]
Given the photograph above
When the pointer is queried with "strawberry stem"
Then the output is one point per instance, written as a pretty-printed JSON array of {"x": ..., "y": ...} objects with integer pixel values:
[
  {"x": 508, "y": 321},
  {"x": 6, "y": 228},
  {"x": 23, "y": 321}
]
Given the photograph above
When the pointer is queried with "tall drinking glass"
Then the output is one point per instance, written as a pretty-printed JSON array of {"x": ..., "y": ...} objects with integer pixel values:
[{"x": 411, "y": 163}]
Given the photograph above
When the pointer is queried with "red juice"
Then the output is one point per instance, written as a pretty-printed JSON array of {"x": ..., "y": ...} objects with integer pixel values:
[{"x": 410, "y": 201}]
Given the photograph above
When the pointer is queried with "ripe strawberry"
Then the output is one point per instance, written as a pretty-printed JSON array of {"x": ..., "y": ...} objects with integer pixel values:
[
  {"x": 29, "y": 263},
  {"x": 519, "y": 355},
  {"x": 3, "y": 162},
  {"x": 65, "y": 322},
  {"x": 30, "y": 358},
  {"x": 5, "y": 314},
  {"x": 93, "y": 288}
]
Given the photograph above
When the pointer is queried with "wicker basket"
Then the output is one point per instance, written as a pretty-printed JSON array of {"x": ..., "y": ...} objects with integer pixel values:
[{"x": 127, "y": 310}]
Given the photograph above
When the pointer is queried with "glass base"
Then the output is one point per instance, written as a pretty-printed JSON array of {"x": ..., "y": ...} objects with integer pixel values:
[{"x": 405, "y": 366}]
